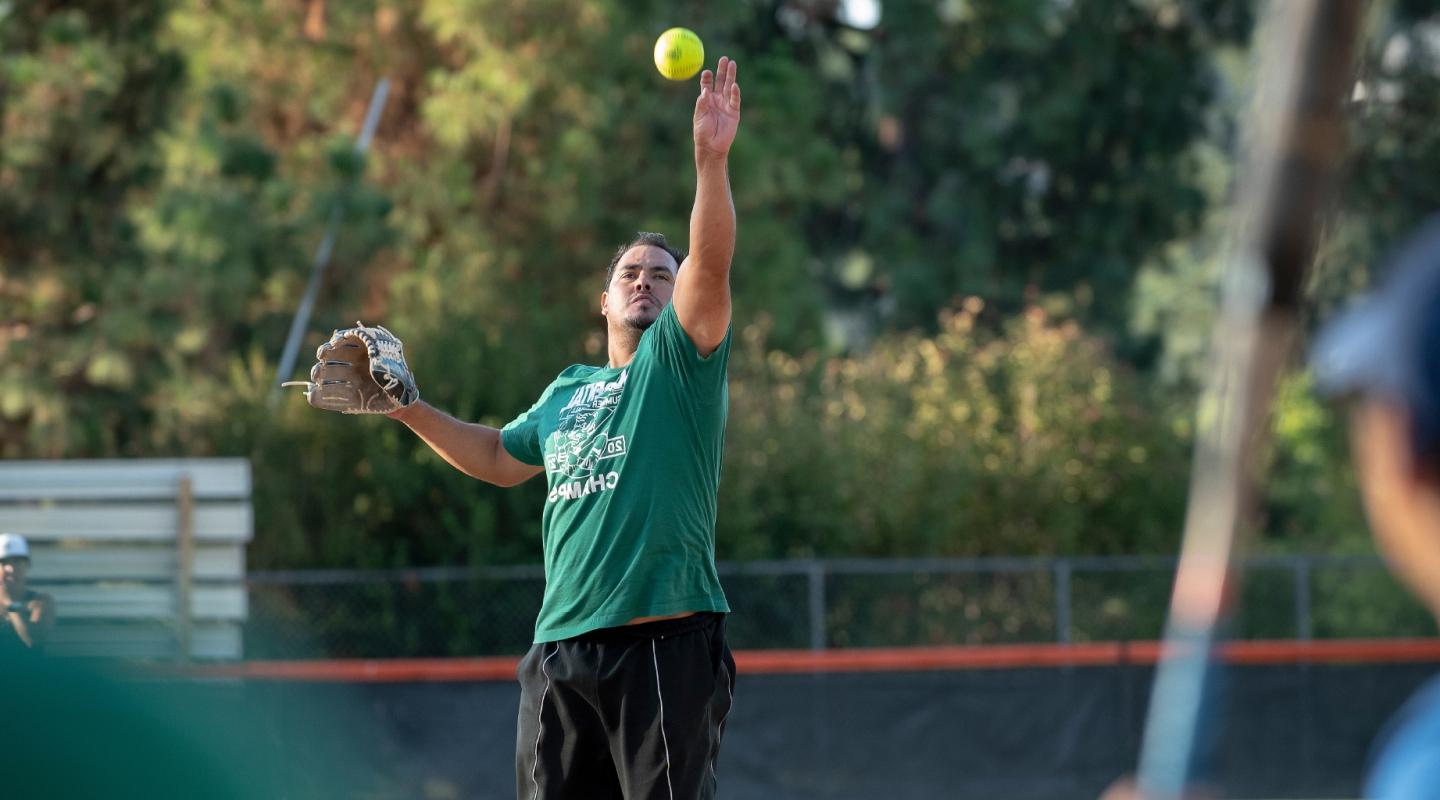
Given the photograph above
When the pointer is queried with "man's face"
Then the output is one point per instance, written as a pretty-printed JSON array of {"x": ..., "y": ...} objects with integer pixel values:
[
  {"x": 13, "y": 572},
  {"x": 641, "y": 287}
]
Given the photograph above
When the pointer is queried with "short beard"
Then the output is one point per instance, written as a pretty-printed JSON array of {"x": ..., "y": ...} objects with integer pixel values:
[{"x": 640, "y": 324}]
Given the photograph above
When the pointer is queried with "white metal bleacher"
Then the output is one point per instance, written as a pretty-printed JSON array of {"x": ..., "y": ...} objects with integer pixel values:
[{"x": 145, "y": 557}]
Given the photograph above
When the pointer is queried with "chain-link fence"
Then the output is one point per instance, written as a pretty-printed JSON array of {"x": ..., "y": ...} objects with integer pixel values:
[{"x": 822, "y": 603}]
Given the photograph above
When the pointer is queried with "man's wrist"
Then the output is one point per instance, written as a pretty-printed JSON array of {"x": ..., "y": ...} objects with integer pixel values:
[
  {"x": 16, "y": 607},
  {"x": 705, "y": 156},
  {"x": 403, "y": 413}
]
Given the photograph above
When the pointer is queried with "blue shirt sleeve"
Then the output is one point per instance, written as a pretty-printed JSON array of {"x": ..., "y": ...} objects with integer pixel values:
[{"x": 1408, "y": 762}]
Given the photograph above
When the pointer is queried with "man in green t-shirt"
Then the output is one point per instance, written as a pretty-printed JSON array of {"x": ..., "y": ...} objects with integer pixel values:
[{"x": 626, "y": 689}]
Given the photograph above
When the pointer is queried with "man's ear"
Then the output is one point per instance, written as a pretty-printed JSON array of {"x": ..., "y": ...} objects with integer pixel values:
[{"x": 604, "y": 296}]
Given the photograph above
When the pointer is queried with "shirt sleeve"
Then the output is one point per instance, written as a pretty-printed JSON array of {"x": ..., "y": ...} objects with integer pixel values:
[
  {"x": 521, "y": 436},
  {"x": 703, "y": 377},
  {"x": 1408, "y": 761}
]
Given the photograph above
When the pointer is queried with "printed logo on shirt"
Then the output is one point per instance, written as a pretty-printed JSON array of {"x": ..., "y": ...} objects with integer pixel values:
[{"x": 578, "y": 449}]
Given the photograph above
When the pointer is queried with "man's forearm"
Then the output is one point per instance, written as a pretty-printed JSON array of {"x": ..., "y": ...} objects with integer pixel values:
[
  {"x": 712, "y": 221},
  {"x": 474, "y": 449},
  {"x": 24, "y": 628}
]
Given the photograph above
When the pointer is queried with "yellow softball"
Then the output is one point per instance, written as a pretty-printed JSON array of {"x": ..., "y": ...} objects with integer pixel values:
[{"x": 679, "y": 54}]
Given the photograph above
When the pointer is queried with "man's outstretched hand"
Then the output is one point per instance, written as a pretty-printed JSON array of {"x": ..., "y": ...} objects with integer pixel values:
[{"x": 717, "y": 110}]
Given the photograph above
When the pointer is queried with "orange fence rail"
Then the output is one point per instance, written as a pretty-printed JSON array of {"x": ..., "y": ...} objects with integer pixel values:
[{"x": 896, "y": 659}]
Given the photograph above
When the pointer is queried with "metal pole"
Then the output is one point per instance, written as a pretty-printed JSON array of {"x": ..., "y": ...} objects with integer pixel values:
[
  {"x": 816, "y": 572},
  {"x": 1062, "y": 600},
  {"x": 1304, "y": 626},
  {"x": 327, "y": 246}
]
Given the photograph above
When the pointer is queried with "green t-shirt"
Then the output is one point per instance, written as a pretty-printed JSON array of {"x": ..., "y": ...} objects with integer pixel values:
[{"x": 632, "y": 457}]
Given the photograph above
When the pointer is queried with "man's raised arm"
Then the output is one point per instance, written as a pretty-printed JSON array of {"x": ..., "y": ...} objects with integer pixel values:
[{"x": 702, "y": 289}]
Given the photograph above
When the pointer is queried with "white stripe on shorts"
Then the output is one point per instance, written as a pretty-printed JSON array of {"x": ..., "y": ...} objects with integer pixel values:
[
  {"x": 540, "y": 721},
  {"x": 663, "y": 737}
]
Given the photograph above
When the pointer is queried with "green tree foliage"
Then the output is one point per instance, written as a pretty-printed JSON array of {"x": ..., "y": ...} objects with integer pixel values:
[
  {"x": 85, "y": 95},
  {"x": 1392, "y": 146},
  {"x": 1311, "y": 502},
  {"x": 1033, "y": 439},
  {"x": 168, "y": 167},
  {"x": 1009, "y": 149}
]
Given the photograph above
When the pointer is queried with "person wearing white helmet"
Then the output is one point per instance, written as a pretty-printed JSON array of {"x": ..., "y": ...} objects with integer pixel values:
[{"x": 29, "y": 615}]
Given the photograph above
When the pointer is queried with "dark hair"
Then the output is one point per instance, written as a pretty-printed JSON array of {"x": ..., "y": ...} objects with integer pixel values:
[{"x": 646, "y": 238}]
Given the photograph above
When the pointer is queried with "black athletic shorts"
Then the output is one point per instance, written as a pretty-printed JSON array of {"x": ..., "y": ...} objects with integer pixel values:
[{"x": 634, "y": 712}]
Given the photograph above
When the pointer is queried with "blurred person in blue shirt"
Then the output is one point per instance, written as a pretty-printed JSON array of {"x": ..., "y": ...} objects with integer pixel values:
[{"x": 1384, "y": 354}]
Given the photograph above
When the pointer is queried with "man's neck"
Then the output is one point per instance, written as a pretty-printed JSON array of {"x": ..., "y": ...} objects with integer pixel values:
[{"x": 622, "y": 346}]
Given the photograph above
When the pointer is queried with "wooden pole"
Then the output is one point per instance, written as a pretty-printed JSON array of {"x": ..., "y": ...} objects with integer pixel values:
[{"x": 184, "y": 565}]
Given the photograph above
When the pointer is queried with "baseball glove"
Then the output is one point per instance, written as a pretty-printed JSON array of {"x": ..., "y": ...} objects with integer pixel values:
[{"x": 361, "y": 370}]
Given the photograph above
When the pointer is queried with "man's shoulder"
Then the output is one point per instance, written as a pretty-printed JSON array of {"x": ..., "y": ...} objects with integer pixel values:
[
  {"x": 575, "y": 373},
  {"x": 668, "y": 340},
  {"x": 572, "y": 377},
  {"x": 666, "y": 327},
  {"x": 668, "y": 321}
]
